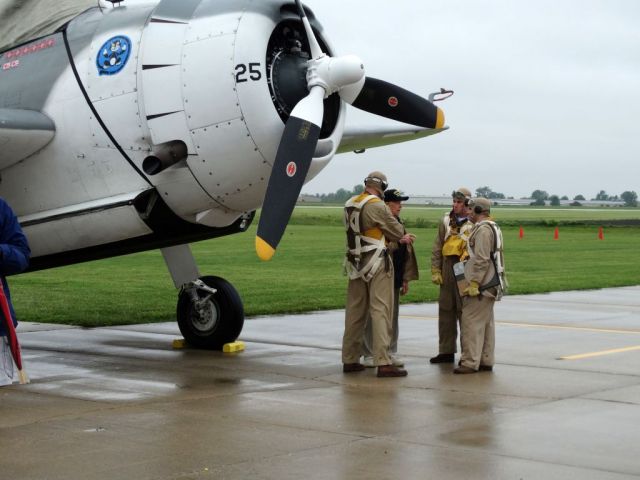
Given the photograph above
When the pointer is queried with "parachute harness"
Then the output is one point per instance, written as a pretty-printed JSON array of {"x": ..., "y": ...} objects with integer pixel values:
[
  {"x": 496, "y": 255},
  {"x": 359, "y": 244}
]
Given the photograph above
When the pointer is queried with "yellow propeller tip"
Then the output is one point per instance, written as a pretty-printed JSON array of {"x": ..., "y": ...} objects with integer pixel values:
[
  {"x": 264, "y": 250},
  {"x": 439, "y": 118}
]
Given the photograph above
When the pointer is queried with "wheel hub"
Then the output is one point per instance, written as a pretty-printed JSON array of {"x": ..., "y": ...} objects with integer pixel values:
[{"x": 205, "y": 316}]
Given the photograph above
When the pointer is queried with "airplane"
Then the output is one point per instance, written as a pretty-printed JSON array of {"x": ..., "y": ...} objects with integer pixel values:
[{"x": 125, "y": 128}]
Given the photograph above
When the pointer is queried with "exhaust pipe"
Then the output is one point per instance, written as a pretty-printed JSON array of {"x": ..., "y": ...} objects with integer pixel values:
[{"x": 164, "y": 156}]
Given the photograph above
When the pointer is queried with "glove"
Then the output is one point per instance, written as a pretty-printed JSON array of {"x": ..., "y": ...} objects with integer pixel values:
[
  {"x": 436, "y": 276},
  {"x": 473, "y": 290}
]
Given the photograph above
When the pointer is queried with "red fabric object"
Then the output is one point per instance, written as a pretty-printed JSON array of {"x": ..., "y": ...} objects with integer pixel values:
[
  {"x": 11, "y": 330},
  {"x": 600, "y": 234},
  {"x": 521, "y": 234},
  {"x": 556, "y": 234}
]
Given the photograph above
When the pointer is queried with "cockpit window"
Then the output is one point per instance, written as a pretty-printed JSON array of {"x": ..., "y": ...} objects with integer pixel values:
[{"x": 21, "y": 21}]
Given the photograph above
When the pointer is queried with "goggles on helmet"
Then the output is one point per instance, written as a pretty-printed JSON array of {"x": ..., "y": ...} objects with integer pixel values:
[{"x": 379, "y": 181}]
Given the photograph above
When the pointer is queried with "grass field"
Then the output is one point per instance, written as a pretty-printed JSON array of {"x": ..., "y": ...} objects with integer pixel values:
[
  {"x": 306, "y": 273},
  {"x": 430, "y": 216}
]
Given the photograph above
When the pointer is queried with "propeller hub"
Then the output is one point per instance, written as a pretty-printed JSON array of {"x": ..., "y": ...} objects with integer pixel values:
[
  {"x": 286, "y": 61},
  {"x": 333, "y": 73}
]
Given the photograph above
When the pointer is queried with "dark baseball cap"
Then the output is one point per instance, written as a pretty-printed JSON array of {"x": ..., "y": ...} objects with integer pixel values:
[{"x": 393, "y": 195}]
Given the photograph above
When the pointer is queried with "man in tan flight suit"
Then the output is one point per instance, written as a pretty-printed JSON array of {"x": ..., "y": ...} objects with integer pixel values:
[
  {"x": 484, "y": 272},
  {"x": 449, "y": 247},
  {"x": 369, "y": 226}
]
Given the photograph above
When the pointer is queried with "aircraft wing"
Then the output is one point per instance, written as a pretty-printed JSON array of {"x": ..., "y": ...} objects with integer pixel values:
[
  {"x": 361, "y": 138},
  {"x": 22, "y": 133}
]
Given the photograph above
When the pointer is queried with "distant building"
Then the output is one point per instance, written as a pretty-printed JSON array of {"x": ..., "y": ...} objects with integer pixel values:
[
  {"x": 428, "y": 200},
  {"x": 445, "y": 200},
  {"x": 308, "y": 199}
]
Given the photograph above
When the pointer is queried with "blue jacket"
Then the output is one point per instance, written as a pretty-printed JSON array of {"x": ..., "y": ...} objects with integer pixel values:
[{"x": 14, "y": 252}]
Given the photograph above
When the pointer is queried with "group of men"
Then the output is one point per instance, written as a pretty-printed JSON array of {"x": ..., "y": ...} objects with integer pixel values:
[{"x": 467, "y": 263}]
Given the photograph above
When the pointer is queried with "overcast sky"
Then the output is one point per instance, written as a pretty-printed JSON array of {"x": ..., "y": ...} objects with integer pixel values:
[{"x": 547, "y": 93}]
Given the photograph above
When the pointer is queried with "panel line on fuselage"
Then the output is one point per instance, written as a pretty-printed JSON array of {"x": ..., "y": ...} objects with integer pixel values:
[{"x": 95, "y": 112}]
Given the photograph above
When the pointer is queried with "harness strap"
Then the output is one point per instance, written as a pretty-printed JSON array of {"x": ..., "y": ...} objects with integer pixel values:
[
  {"x": 496, "y": 253},
  {"x": 362, "y": 241}
]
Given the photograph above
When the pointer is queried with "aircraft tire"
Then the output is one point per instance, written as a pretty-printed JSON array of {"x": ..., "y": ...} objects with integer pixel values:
[{"x": 223, "y": 319}]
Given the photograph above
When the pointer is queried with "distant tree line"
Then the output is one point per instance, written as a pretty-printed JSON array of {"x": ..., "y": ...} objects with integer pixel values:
[
  {"x": 339, "y": 196},
  {"x": 486, "y": 192},
  {"x": 630, "y": 198},
  {"x": 539, "y": 197}
]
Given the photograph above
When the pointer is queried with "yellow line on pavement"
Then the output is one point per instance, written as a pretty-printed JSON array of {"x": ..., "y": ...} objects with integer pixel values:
[
  {"x": 598, "y": 354},
  {"x": 564, "y": 327},
  {"x": 421, "y": 317},
  {"x": 541, "y": 325}
]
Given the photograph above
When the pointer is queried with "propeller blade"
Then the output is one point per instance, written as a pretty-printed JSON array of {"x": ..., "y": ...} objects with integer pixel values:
[
  {"x": 390, "y": 101},
  {"x": 290, "y": 169},
  {"x": 316, "y": 51},
  {"x": 325, "y": 75}
]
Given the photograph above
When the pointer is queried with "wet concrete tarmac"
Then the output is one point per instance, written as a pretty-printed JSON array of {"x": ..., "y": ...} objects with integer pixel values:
[{"x": 121, "y": 403}]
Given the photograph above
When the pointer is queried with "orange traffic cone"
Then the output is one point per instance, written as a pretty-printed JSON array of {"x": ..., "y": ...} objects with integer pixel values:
[
  {"x": 556, "y": 234},
  {"x": 600, "y": 234},
  {"x": 521, "y": 234}
]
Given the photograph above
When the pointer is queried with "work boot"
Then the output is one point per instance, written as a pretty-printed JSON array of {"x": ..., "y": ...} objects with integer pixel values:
[
  {"x": 391, "y": 371},
  {"x": 443, "y": 358},
  {"x": 485, "y": 368},
  {"x": 352, "y": 367},
  {"x": 463, "y": 369}
]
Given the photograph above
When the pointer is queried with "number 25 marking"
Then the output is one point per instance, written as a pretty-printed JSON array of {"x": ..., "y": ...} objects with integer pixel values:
[{"x": 254, "y": 72}]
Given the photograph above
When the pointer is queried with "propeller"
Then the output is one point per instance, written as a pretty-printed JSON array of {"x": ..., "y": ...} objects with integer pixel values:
[
  {"x": 327, "y": 75},
  {"x": 390, "y": 101}
]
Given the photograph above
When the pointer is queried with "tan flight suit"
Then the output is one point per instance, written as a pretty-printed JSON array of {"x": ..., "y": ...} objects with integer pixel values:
[
  {"x": 449, "y": 303},
  {"x": 374, "y": 297},
  {"x": 477, "y": 334},
  {"x": 409, "y": 273}
]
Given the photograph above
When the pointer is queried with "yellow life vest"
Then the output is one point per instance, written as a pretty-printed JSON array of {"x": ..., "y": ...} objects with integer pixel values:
[{"x": 456, "y": 238}]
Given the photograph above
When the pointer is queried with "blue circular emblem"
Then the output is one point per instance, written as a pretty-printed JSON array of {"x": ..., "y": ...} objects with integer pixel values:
[{"x": 113, "y": 55}]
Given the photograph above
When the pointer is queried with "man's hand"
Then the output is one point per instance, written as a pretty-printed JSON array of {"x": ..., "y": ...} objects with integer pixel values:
[
  {"x": 473, "y": 290},
  {"x": 407, "y": 238},
  {"x": 436, "y": 276},
  {"x": 405, "y": 288}
]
